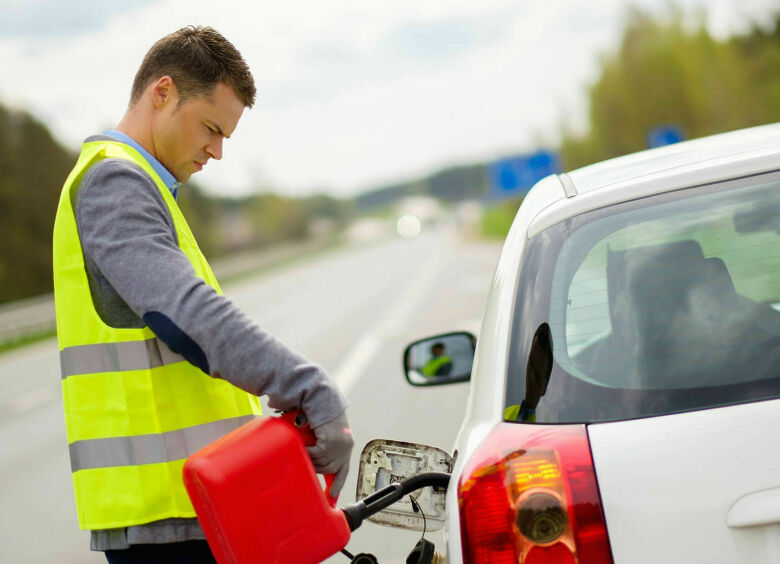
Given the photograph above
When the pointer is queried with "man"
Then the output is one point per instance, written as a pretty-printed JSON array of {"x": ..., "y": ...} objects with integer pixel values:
[
  {"x": 156, "y": 363},
  {"x": 439, "y": 364}
]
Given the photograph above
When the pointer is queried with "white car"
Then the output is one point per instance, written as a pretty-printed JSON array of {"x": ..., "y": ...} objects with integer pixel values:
[{"x": 625, "y": 393}]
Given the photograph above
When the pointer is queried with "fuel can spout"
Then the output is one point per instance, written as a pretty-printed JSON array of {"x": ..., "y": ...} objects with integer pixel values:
[{"x": 384, "y": 498}]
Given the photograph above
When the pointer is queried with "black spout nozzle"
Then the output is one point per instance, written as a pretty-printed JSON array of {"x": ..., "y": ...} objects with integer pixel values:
[{"x": 379, "y": 500}]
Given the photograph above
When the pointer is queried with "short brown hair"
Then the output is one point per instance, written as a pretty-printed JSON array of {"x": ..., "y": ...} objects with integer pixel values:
[{"x": 197, "y": 59}]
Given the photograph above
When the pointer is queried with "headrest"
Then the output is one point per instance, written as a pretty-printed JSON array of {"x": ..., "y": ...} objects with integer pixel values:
[{"x": 649, "y": 287}]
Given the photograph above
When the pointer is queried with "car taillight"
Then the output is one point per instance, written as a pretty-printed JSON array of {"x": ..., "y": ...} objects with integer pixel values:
[{"x": 528, "y": 495}]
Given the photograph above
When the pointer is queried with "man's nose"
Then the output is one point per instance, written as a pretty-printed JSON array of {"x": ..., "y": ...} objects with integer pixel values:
[{"x": 214, "y": 148}]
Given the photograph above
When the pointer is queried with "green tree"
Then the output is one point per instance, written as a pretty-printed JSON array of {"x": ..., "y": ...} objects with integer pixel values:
[
  {"x": 202, "y": 213},
  {"x": 322, "y": 206},
  {"x": 33, "y": 167},
  {"x": 665, "y": 73},
  {"x": 275, "y": 218},
  {"x": 458, "y": 183},
  {"x": 759, "y": 52}
]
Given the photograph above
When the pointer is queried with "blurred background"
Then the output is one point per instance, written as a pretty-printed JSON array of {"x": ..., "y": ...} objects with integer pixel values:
[{"x": 362, "y": 203}]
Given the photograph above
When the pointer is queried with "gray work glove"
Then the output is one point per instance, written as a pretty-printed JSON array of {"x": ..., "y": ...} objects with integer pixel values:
[{"x": 330, "y": 454}]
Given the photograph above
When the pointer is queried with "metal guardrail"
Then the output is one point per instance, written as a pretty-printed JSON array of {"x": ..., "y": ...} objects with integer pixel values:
[
  {"x": 34, "y": 316},
  {"x": 26, "y": 317}
]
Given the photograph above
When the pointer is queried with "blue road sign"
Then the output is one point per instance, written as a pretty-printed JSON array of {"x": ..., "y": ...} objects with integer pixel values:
[
  {"x": 514, "y": 176},
  {"x": 664, "y": 135}
]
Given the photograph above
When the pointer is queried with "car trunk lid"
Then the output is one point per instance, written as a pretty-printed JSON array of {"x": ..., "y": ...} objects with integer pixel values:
[{"x": 702, "y": 486}]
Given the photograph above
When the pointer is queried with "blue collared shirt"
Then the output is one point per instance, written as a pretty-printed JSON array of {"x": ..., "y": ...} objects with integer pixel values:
[{"x": 167, "y": 177}]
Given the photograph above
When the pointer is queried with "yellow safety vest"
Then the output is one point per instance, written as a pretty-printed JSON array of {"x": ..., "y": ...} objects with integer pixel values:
[
  {"x": 134, "y": 410},
  {"x": 512, "y": 413},
  {"x": 433, "y": 365}
]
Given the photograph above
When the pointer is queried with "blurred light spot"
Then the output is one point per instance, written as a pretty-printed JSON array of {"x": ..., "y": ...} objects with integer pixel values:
[{"x": 409, "y": 226}]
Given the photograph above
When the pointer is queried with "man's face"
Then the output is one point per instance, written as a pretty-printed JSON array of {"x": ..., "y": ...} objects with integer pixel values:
[{"x": 188, "y": 134}]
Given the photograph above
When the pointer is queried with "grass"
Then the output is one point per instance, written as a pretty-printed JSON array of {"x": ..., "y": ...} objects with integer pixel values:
[
  {"x": 30, "y": 339},
  {"x": 497, "y": 219}
]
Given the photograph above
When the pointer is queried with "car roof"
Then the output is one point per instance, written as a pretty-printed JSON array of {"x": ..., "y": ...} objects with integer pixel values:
[
  {"x": 717, "y": 158},
  {"x": 722, "y": 149}
]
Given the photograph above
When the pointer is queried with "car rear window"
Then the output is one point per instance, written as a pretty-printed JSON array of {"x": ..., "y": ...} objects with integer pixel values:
[{"x": 655, "y": 306}]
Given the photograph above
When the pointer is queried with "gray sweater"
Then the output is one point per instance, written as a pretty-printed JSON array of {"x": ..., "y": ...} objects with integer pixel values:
[{"x": 138, "y": 276}]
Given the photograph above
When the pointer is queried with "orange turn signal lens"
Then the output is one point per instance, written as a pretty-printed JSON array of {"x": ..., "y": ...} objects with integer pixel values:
[
  {"x": 529, "y": 469},
  {"x": 528, "y": 495}
]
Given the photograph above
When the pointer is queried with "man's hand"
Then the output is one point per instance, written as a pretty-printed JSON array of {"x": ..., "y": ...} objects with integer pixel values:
[{"x": 330, "y": 454}]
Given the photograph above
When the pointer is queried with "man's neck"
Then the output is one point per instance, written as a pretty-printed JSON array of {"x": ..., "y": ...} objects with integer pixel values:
[{"x": 129, "y": 125}]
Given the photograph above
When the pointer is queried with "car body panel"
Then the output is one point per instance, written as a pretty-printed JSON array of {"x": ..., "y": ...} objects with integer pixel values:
[
  {"x": 725, "y": 167},
  {"x": 486, "y": 395},
  {"x": 668, "y": 484},
  {"x": 553, "y": 200},
  {"x": 702, "y": 154},
  {"x": 485, "y": 404}
]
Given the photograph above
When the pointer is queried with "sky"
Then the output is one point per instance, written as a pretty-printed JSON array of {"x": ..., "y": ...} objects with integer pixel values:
[{"x": 352, "y": 95}]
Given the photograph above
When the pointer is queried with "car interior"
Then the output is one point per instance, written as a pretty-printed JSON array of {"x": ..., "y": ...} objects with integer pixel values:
[{"x": 678, "y": 322}]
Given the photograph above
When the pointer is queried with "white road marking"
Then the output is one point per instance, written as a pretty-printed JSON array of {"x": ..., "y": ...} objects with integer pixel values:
[
  {"x": 395, "y": 318},
  {"x": 352, "y": 368}
]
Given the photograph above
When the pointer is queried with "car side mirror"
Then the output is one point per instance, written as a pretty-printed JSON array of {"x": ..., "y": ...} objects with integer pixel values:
[{"x": 441, "y": 359}]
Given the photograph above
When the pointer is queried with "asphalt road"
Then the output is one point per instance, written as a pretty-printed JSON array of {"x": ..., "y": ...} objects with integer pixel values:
[{"x": 352, "y": 311}]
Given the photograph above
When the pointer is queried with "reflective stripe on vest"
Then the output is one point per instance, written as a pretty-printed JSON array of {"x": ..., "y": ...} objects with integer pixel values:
[
  {"x": 134, "y": 410},
  {"x": 116, "y": 357},
  {"x": 149, "y": 449}
]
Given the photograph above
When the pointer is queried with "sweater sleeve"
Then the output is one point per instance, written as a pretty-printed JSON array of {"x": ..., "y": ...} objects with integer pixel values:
[{"x": 128, "y": 234}]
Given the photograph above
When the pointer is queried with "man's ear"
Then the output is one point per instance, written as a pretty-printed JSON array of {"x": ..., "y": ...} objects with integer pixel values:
[{"x": 164, "y": 92}]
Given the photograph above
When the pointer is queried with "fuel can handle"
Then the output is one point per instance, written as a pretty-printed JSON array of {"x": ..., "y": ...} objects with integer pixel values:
[{"x": 297, "y": 419}]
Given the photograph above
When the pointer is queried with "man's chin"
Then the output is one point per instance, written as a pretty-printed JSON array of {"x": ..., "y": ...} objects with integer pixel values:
[{"x": 181, "y": 178}]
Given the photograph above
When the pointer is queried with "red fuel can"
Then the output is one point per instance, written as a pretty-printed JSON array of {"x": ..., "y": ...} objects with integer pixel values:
[{"x": 258, "y": 497}]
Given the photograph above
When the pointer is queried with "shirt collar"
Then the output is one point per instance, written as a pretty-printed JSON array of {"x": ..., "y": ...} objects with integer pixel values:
[{"x": 168, "y": 179}]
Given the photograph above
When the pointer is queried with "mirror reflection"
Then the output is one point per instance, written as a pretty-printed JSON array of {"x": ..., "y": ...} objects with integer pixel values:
[{"x": 440, "y": 359}]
